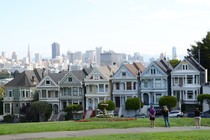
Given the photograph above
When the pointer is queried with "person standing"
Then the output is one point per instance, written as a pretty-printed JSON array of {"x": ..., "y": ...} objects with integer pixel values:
[
  {"x": 165, "y": 112},
  {"x": 197, "y": 118},
  {"x": 152, "y": 116}
]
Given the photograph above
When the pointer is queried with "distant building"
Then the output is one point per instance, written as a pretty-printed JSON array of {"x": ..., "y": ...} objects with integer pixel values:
[
  {"x": 110, "y": 58},
  {"x": 174, "y": 55},
  {"x": 37, "y": 58},
  {"x": 78, "y": 56},
  {"x": 14, "y": 56},
  {"x": 55, "y": 50},
  {"x": 98, "y": 55},
  {"x": 70, "y": 57}
]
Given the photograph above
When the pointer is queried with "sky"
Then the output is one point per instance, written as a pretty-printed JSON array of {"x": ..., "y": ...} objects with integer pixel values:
[{"x": 149, "y": 27}]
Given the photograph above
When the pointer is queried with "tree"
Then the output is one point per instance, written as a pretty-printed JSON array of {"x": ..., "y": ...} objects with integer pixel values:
[
  {"x": 133, "y": 104},
  {"x": 174, "y": 62},
  {"x": 201, "y": 52},
  {"x": 204, "y": 98},
  {"x": 39, "y": 111},
  {"x": 110, "y": 106},
  {"x": 169, "y": 101},
  {"x": 70, "y": 109}
]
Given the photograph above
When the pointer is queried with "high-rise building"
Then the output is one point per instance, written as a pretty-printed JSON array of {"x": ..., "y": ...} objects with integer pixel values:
[
  {"x": 110, "y": 58},
  {"x": 37, "y": 57},
  {"x": 174, "y": 55},
  {"x": 98, "y": 55},
  {"x": 55, "y": 50},
  {"x": 70, "y": 56},
  {"x": 90, "y": 56},
  {"x": 78, "y": 56},
  {"x": 14, "y": 56},
  {"x": 29, "y": 54}
]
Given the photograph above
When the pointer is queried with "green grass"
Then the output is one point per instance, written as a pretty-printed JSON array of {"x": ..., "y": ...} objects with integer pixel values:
[
  {"x": 93, "y": 124},
  {"x": 190, "y": 135}
]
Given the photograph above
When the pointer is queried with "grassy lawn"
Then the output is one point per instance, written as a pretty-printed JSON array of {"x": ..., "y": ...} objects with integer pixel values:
[
  {"x": 190, "y": 135},
  {"x": 91, "y": 124}
]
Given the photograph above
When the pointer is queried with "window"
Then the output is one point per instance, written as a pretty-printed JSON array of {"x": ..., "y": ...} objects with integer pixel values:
[
  {"x": 158, "y": 83},
  {"x": 189, "y": 94},
  {"x": 101, "y": 87},
  {"x": 152, "y": 71},
  {"x": 189, "y": 79},
  {"x": 23, "y": 93},
  {"x": 117, "y": 86},
  {"x": 106, "y": 88},
  {"x": 96, "y": 76},
  {"x": 70, "y": 79},
  {"x": 129, "y": 86},
  {"x": 176, "y": 81},
  {"x": 7, "y": 108},
  {"x": 158, "y": 96},
  {"x": 90, "y": 87},
  {"x": 10, "y": 93},
  {"x": 49, "y": 94},
  {"x": 56, "y": 94},
  {"x": 44, "y": 94},
  {"x": 27, "y": 94},
  {"x": 123, "y": 73},
  {"x": 47, "y": 82},
  {"x": 184, "y": 67},
  {"x": 80, "y": 91},
  {"x": 75, "y": 91},
  {"x": 134, "y": 85},
  {"x": 146, "y": 84}
]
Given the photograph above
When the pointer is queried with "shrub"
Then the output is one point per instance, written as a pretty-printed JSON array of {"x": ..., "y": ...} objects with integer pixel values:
[{"x": 9, "y": 118}]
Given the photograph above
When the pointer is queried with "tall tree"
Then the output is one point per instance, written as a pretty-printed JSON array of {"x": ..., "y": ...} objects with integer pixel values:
[
  {"x": 201, "y": 52},
  {"x": 169, "y": 101}
]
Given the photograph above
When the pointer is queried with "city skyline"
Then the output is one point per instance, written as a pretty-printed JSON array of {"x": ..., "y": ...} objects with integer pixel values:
[{"x": 148, "y": 27}]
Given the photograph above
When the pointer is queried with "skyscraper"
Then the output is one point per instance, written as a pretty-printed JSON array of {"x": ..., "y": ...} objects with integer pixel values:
[
  {"x": 98, "y": 55},
  {"x": 174, "y": 55},
  {"x": 55, "y": 50}
]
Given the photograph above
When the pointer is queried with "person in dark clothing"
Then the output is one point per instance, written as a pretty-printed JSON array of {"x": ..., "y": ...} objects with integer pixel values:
[
  {"x": 197, "y": 118},
  {"x": 152, "y": 116},
  {"x": 165, "y": 112}
]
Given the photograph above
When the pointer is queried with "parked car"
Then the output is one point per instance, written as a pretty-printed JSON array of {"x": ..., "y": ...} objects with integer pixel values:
[
  {"x": 191, "y": 114},
  {"x": 176, "y": 113},
  {"x": 205, "y": 115},
  {"x": 158, "y": 111}
]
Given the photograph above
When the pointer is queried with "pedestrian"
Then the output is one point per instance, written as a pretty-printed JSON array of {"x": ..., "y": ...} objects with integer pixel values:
[
  {"x": 197, "y": 118},
  {"x": 165, "y": 112},
  {"x": 152, "y": 116}
]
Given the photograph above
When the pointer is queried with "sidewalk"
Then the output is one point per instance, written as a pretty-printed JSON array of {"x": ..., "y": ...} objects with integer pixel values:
[{"x": 91, "y": 132}]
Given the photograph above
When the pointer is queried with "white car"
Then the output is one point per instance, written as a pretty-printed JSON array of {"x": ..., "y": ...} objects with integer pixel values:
[{"x": 175, "y": 113}]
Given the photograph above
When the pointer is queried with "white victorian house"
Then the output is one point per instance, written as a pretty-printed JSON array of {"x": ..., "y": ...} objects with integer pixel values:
[
  {"x": 72, "y": 88},
  {"x": 155, "y": 83},
  {"x": 126, "y": 85},
  {"x": 49, "y": 90},
  {"x": 187, "y": 79},
  {"x": 98, "y": 85}
]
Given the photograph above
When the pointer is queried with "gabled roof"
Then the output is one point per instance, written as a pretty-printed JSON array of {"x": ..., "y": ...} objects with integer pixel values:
[
  {"x": 56, "y": 77},
  {"x": 108, "y": 71},
  {"x": 28, "y": 78},
  {"x": 194, "y": 63},
  {"x": 164, "y": 65},
  {"x": 135, "y": 68}
]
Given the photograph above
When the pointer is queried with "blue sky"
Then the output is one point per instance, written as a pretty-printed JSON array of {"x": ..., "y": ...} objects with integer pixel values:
[{"x": 147, "y": 26}]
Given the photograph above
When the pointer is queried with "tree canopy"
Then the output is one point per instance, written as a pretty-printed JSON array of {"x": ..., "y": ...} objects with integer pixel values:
[
  {"x": 169, "y": 101},
  {"x": 201, "y": 52},
  {"x": 133, "y": 104},
  {"x": 204, "y": 98},
  {"x": 174, "y": 62}
]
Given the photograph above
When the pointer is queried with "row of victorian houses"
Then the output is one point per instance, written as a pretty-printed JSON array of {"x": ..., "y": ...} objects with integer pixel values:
[{"x": 90, "y": 86}]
